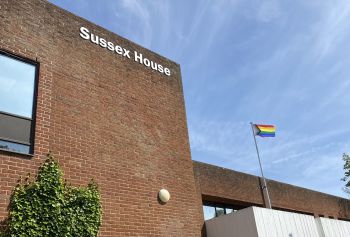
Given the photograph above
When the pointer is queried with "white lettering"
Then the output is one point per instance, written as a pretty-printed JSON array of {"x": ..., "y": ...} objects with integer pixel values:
[
  {"x": 138, "y": 57},
  {"x": 119, "y": 49},
  {"x": 126, "y": 53},
  {"x": 84, "y": 33},
  {"x": 103, "y": 43},
  {"x": 110, "y": 46},
  {"x": 146, "y": 62},
  {"x": 154, "y": 65},
  {"x": 160, "y": 68},
  {"x": 167, "y": 71},
  {"x": 94, "y": 38}
]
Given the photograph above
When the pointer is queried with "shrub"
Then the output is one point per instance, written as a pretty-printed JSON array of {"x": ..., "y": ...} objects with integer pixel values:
[{"x": 50, "y": 207}]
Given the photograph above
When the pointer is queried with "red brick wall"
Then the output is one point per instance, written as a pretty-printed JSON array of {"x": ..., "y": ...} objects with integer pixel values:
[
  {"x": 221, "y": 185},
  {"x": 104, "y": 117}
]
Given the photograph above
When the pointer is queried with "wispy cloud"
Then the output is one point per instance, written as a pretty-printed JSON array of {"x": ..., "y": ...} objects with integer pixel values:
[
  {"x": 303, "y": 160},
  {"x": 138, "y": 13},
  {"x": 332, "y": 29},
  {"x": 218, "y": 137}
]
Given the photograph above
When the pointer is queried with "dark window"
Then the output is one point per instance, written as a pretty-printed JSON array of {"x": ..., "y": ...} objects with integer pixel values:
[
  {"x": 17, "y": 103},
  {"x": 212, "y": 210},
  {"x": 219, "y": 211}
]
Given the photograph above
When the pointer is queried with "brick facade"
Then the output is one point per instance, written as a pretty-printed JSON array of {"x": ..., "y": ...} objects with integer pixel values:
[
  {"x": 105, "y": 117},
  {"x": 110, "y": 118},
  {"x": 221, "y": 185}
]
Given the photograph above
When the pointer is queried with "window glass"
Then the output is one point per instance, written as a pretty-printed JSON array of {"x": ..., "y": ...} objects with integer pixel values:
[
  {"x": 209, "y": 212},
  {"x": 219, "y": 211},
  {"x": 17, "y": 85},
  {"x": 17, "y": 81},
  {"x": 229, "y": 210},
  {"x": 212, "y": 210},
  {"x": 11, "y": 146}
]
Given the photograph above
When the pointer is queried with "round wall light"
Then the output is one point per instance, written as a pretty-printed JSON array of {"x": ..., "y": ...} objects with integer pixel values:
[{"x": 164, "y": 195}]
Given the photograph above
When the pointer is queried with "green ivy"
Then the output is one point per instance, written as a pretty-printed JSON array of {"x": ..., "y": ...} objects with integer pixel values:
[{"x": 50, "y": 207}]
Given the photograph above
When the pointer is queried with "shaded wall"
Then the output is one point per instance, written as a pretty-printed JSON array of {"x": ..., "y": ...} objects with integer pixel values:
[{"x": 222, "y": 185}]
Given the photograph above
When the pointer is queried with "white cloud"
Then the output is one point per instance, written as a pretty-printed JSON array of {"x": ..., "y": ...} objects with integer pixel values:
[
  {"x": 139, "y": 12},
  {"x": 217, "y": 137},
  {"x": 307, "y": 161},
  {"x": 228, "y": 143},
  {"x": 333, "y": 29}
]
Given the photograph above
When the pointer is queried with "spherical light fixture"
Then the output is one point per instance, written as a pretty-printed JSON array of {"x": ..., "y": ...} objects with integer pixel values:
[{"x": 164, "y": 195}]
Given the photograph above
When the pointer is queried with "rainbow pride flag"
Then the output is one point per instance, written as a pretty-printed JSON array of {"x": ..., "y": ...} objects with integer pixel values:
[{"x": 266, "y": 130}]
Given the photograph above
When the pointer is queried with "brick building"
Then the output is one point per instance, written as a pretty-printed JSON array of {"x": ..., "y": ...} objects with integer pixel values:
[{"x": 114, "y": 111}]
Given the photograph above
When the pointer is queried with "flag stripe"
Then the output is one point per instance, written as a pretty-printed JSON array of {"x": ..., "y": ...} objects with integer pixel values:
[
  {"x": 266, "y": 135},
  {"x": 266, "y": 130},
  {"x": 265, "y": 126}
]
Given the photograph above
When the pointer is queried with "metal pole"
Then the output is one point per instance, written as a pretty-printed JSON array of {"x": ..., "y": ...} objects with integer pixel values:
[{"x": 261, "y": 170}]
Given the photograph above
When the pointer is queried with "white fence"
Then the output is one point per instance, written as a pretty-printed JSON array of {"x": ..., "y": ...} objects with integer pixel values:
[
  {"x": 261, "y": 222},
  {"x": 331, "y": 227}
]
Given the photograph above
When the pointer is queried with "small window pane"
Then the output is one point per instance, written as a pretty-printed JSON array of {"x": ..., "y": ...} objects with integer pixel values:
[
  {"x": 15, "y": 147},
  {"x": 220, "y": 211},
  {"x": 229, "y": 210},
  {"x": 17, "y": 86},
  {"x": 209, "y": 212}
]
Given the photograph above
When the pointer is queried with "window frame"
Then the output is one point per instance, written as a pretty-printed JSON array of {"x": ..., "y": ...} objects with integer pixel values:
[
  {"x": 225, "y": 206},
  {"x": 32, "y": 119}
]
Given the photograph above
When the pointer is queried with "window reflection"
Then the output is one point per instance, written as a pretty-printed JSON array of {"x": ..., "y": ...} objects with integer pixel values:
[
  {"x": 15, "y": 147},
  {"x": 215, "y": 210},
  {"x": 229, "y": 210},
  {"x": 209, "y": 212},
  {"x": 219, "y": 211},
  {"x": 17, "y": 86},
  {"x": 17, "y": 89}
]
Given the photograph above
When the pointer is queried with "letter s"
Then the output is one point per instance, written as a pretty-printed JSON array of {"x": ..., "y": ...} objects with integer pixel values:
[
  {"x": 110, "y": 46},
  {"x": 84, "y": 33},
  {"x": 160, "y": 68},
  {"x": 103, "y": 43}
]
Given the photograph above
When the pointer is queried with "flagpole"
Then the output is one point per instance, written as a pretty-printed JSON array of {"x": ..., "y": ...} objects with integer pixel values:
[{"x": 261, "y": 170}]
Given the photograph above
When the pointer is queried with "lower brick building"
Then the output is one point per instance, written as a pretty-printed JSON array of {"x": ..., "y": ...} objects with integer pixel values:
[{"x": 114, "y": 111}]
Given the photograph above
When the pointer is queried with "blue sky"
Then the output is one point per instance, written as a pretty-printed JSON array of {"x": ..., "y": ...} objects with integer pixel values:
[{"x": 278, "y": 62}]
